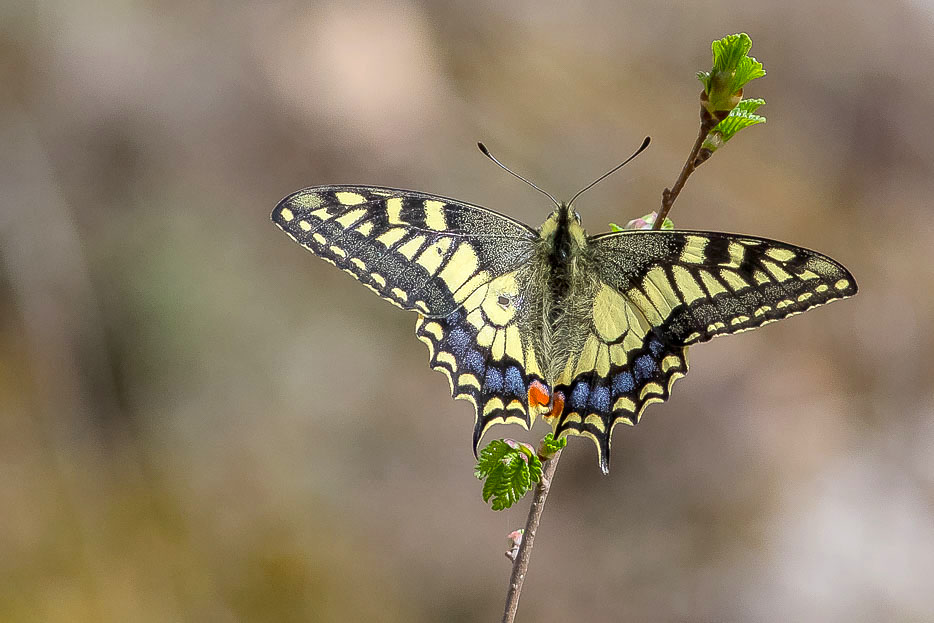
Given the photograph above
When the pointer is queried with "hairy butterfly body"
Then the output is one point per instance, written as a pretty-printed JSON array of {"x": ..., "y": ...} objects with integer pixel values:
[{"x": 585, "y": 331}]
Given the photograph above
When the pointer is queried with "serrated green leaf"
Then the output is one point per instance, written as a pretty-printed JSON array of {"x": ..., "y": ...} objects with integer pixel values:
[
  {"x": 739, "y": 118},
  {"x": 750, "y": 105},
  {"x": 553, "y": 444},
  {"x": 729, "y": 51},
  {"x": 535, "y": 471},
  {"x": 747, "y": 70},
  {"x": 509, "y": 469},
  {"x": 489, "y": 488},
  {"x": 732, "y": 70},
  {"x": 491, "y": 457},
  {"x": 734, "y": 123},
  {"x": 512, "y": 485}
]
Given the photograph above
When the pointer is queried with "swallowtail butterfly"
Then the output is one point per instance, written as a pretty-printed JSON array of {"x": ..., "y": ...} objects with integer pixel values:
[{"x": 585, "y": 331}]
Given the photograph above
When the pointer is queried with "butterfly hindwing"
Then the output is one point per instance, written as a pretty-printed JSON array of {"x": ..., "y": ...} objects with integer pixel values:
[
  {"x": 487, "y": 355},
  {"x": 420, "y": 252},
  {"x": 623, "y": 365},
  {"x": 613, "y": 379},
  {"x": 660, "y": 291}
]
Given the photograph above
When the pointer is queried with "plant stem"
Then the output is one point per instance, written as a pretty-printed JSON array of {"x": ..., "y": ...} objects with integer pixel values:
[
  {"x": 521, "y": 564},
  {"x": 670, "y": 194}
]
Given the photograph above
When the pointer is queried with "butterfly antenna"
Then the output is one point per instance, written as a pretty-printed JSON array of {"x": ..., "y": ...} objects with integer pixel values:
[
  {"x": 645, "y": 144},
  {"x": 486, "y": 152}
]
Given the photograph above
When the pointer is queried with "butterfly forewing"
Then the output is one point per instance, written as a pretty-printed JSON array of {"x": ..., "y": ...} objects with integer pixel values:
[
  {"x": 693, "y": 286},
  {"x": 464, "y": 268},
  {"x": 420, "y": 252}
]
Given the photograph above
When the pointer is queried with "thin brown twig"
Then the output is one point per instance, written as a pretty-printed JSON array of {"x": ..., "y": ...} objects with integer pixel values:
[
  {"x": 708, "y": 122},
  {"x": 521, "y": 564}
]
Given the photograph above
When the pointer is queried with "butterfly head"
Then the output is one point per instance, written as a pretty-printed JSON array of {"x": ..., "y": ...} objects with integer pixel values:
[{"x": 562, "y": 230}]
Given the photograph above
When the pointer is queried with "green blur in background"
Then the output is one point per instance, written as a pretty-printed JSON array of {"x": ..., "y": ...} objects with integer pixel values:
[{"x": 199, "y": 421}]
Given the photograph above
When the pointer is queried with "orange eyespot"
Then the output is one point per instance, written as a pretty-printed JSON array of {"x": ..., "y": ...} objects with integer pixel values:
[
  {"x": 539, "y": 396},
  {"x": 540, "y": 400},
  {"x": 558, "y": 408}
]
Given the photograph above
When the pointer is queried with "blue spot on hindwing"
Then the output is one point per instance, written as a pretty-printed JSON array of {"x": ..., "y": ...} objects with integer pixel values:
[
  {"x": 493, "y": 383},
  {"x": 600, "y": 399},
  {"x": 656, "y": 347},
  {"x": 458, "y": 340},
  {"x": 645, "y": 368},
  {"x": 514, "y": 383},
  {"x": 579, "y": 395},
  {"x": 475, "y": 362},
  {"x": 623, "y": 383}
]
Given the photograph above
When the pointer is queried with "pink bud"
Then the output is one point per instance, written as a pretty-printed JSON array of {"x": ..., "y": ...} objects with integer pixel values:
[{"x": 515, "y": 540}]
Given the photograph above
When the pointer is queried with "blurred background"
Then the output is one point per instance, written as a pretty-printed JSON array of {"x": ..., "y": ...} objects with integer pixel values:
[{"x": 199, "y": 421}]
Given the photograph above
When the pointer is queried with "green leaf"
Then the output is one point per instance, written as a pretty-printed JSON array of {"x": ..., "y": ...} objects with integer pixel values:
[
  {"x": 747, "y": 70},
  {"x": 750, "y": 106},
  {"x": 732, "y": 70},
  {"x": 741, "y": 117},
  {"x": 551, "y": 446},
  {"x": 509, "y": 469}
]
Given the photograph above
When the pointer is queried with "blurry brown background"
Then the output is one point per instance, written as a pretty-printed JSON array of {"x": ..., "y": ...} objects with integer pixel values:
[{"x": 199, "y": 421}]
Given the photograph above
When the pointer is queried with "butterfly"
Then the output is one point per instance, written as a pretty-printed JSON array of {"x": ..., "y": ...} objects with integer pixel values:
[{"x": 584, "y": 331}]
